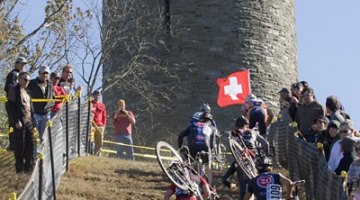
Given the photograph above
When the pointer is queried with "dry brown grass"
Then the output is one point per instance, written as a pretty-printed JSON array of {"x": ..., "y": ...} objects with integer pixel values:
[
  {"x": 109, "y": 178},
  {"x": 9, "y": 180}
]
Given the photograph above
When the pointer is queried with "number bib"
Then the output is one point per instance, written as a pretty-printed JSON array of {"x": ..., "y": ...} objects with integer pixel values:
[{"x": 273, "y": 192}]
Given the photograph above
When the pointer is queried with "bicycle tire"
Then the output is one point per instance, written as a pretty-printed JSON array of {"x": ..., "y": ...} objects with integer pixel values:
[
  {"x": 245, "y": 162},
  {"x": 167, "y": 156}
]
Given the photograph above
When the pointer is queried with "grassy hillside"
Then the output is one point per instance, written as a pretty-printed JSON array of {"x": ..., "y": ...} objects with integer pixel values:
[{"x": 109, "y": 178}]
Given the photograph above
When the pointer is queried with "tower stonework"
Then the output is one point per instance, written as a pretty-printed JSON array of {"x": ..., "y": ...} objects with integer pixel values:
[{"x": 209, "y": 39}]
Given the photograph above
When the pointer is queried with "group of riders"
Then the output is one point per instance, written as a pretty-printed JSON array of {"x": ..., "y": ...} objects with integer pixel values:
[{"x": 250, "y": 128}]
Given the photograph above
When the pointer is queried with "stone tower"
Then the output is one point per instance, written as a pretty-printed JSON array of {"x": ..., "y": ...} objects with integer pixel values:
[{"x": 200, "y": 41}]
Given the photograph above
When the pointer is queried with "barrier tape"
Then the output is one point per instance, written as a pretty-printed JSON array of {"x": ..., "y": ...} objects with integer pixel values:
[
  {"x": 61, "y": 98},
  {"x": 129, "y": 145}
]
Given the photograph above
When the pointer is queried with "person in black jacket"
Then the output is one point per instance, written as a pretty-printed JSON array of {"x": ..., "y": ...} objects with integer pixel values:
[
  {"x": 42, "y": 88},
  {"x": 11, "y": 81},
  {"x": 22, "y": 119}
]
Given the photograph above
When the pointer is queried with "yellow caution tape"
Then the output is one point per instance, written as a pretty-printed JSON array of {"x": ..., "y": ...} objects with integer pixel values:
[
  {"x": 11, "y": 129},
  {"x": 320, "y": 146},
  {"x": 293, "y": 124},
  {"x": 67, "y": 98},
  {"x": 35, "y": 133},
  {"x": 343, "y": 174},
  {"x": 12, "y": 196},
  {"x": 78, "y": 93},
  {"x": 49, "y": 124},
  {"x": 140, "y": 147},
  {"x": 40, "y": 156}
]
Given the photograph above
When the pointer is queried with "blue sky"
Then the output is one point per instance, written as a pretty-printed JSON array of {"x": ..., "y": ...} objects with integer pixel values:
[{"x": 328, "y": 38}]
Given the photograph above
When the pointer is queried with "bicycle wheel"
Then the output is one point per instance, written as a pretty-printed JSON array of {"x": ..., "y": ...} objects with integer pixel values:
[
  {"x": 173, "y": 165},
  {"x": 243, "y": 159}
]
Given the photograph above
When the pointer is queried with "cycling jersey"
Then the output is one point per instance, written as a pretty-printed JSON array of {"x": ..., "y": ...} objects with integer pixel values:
[
  {"x": 200, "y": 137},
  {"x": 265, "y": 185}
]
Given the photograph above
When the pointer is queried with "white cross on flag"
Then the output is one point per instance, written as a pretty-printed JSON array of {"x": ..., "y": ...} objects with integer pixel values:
[{"x": 233, "y": 89}]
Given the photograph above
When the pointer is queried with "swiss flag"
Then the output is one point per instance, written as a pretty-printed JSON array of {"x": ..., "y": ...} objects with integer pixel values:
[{"x": 234, "y": 88}]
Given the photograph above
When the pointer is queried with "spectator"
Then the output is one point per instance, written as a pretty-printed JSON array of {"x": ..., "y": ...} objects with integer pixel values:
[
  {"x": 99, "y": 121},
  {"x": 320, "y": 125},
  {"x": 333, "y": 108},
  {"x": 354, "y": 174},
  {"x": 328, "y": 138},
  {"x": 67, "y": 80},
  {"x": 347, "y": 148},
  {"x": 123, "y": 122},
  {"x": 11, "y": 81},
  {"x": 42, "y": 88},
  {"x": 23, "y": 122},
  {"x": 58, "y": 91},
  {"x": 307, "y": 113},
  {"x": 346, "y": 129},
  {"x": 67, "y": 73}
]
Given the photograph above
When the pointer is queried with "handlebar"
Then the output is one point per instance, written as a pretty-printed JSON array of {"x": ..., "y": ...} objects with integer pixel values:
[{"x": 299, "y": 182}]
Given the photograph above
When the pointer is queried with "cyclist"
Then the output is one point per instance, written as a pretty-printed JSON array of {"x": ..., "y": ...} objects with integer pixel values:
[
  {"x": 200, "y": 135},
  {"x": 186, "y": 194},
  {"x": 206, "y": 110},
  {"x": 258, "y": 113},
  {"x": 250, "y": 138},
  {"x": 268, "y": 185}
]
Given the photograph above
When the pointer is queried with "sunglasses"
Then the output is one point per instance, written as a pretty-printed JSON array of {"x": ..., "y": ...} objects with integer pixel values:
[
  {"x": 25, "y": 79},
  {"x": 344, "y": 131},
  {"x": 68, "y": 72},
  {"x": 357, "y": 149}
]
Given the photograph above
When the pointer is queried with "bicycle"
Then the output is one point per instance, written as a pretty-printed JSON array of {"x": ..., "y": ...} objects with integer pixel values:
[
  {"x": 244, "y": 157},
  {"x": 218, "y": 155},
  {"x": 178, "y": 169}
]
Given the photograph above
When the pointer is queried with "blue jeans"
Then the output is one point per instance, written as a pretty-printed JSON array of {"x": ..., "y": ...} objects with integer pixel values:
[
  {"x": 126, "y": 139},
  {"x": 41, "y": 121}
]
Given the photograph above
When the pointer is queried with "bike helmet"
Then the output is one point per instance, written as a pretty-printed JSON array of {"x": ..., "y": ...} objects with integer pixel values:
[
  {"x": 264, "y": 161},
  {"x": 250, "y": 98},
  {"x": 205, "y": 108},
  {"x": 197, "y": 116}
]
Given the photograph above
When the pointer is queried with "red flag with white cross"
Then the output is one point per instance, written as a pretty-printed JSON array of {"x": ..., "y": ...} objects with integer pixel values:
[{"x": 234, "y": 88}]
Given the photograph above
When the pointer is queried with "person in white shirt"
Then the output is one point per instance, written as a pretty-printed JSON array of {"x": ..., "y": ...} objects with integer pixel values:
[{"x": 336, "y": 154}]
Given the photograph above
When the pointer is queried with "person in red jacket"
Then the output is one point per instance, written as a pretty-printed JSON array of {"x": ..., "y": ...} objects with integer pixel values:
[
  {"x": 123, "y": 121},
  {"x": 59, "y": 92},
  {"x": 99, "y": 121}
]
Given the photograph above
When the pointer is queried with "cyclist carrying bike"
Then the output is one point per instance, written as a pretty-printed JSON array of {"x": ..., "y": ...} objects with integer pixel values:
[
  {"x": 200, "y": 135},
  {"x": 268, "y": 185},
  {"x": 250, "y": 137}
]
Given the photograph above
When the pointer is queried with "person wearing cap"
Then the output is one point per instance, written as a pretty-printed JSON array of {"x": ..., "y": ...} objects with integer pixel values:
[
  {"x": 328, "y": 138},
  {"x": 11, "y": 81},
  {"x": 307, "y": 113},
  {"x": 41, "y": 88},
  {"x": 242, "y": 131},
  {"x": 99, "y": 121},
  {"x": 123, "y": 122},
  {"x": 59, "y": 93},
  {"x": 346, "y": 129}
]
